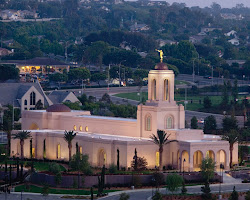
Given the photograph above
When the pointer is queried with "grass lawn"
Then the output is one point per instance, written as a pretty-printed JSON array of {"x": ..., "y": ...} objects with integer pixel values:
[
  {"x": 40, "y": 166},
  {"x": 195, "y": 106},
  {"x": 178, "y": 82},
  {"x": 37, "y": 189}
]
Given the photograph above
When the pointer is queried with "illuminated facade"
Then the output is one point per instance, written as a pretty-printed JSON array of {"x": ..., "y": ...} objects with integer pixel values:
[{"x": 100, "y": 137}]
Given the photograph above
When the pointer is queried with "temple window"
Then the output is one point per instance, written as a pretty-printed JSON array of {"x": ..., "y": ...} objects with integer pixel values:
[
  {"x": 169, "y": 123},
  {"x": 166, "y": 90},
  {"x": 157, "y": 159},
  {"x": 25, "y": 102},
  {"x": 86, "y": 128},
  {"x": 58, "y": 156},
  {"x": 74, "y": 127},
  {"x": 148, "y": 123},
  {"x": 154, "y": 89},
  {"x": 80, "y": 128}
]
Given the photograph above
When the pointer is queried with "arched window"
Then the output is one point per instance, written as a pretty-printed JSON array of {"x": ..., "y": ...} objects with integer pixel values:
[
  {"x": 154, "y": 89},
  {"x": 169, "y": 122},
  {"x": 25, "y": 102},
  {"x": 148, "y": 123},
  {"x": 157, "y": 159},
  {"x": 58, "y": 156},
  {"x": 86, "y": 128},
  {"x": 80, "y": 128},
  {"x": 166, "y": 90},
  {"x": 32, "y": 98},
  {"x": 74, "y": 127}
]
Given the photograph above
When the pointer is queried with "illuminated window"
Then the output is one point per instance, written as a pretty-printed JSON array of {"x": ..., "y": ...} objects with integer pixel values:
[
  {"x": 80, "y": 149},
  {"x": 166, "y": 90},
  {"x": 25, "y": 102},
  {"x": 157, "y": 159},
  {"x": 58, "y": 156},
  {"x": 33, "y": 152},
  {"x": 86, "y": 129},
  {"x": 74, "y": 127},
  {"x": 154, "y": 89},
  {"x": 80, "y": 128},
  {"x": 32, "y": 98},
  {"x": 148, "y": 123}
]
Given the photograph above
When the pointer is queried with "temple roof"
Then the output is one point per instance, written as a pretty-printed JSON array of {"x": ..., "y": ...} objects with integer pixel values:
[
  {"x": 161, "y": 66},
  {"x": 58, "y": 108}
]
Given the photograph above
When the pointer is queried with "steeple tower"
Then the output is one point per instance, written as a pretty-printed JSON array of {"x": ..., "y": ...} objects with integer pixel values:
[{"x": 160, "y": 111}]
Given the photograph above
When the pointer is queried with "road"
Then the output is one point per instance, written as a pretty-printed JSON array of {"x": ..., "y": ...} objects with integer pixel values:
[{"x": 142, "y": 194}]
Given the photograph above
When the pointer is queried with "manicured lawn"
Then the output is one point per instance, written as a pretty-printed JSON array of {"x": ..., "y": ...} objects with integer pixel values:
[
  {"x": 195, "y": 105},
  {"x": 40, "y": 166},
  {"x": 178, "y": 82},
  {"x": 37, "y": 189}
]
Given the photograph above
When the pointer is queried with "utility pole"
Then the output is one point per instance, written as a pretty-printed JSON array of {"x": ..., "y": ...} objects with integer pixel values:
[
  {"x": 212, "y": 75},
  {"x": 193, "y": 70},
  {"x": 108, "y": 78}
]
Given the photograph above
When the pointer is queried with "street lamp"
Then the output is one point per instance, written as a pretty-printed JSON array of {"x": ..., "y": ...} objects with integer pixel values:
[
  {"x": 120, "y": 72},
  {"x": 221, "y": 173}
]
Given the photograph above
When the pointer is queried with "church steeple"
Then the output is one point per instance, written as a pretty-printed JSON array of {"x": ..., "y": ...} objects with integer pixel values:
[{"x": 161, "y": 84}]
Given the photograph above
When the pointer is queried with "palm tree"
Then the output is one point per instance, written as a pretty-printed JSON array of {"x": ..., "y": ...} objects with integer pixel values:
[
  {"x": 232, "y": 137},
  {"x": 22, "y": 135},
  {"x": 68, "y": 137},
  {"x": 161, "y": 139}
]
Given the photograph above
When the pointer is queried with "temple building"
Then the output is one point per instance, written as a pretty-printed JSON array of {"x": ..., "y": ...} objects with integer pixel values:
[{"x": 100, "y": 137}]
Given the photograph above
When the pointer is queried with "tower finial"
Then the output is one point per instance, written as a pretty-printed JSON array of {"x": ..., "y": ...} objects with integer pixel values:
[{"x": 161, "y": 54}]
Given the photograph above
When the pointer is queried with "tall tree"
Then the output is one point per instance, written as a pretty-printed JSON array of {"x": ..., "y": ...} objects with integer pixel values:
[
  {"x": 68, "y": 137},
  {"x": 22, "y": 135},
  {"x": 235, "y": 90},
  {"x": 161, "y": 139},
  {"x": 194, "y": 123},
  {"x": 232, "y": 137}
]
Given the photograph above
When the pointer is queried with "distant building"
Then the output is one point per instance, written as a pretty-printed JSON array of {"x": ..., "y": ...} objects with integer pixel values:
[
  {"x": 231, "y": 16},
  {"x": 234, "y": 41},
  {"x": 139, "y": 27},
  {"x": 240, "y": 62},
  {"x": 162, "y": 42},
  {"x": 23, "y": 95},
  {"x": 209, "y": 29},
  {"x": 58, "y": 96},
  {"x": 38, "y": 65},
  {"x": 231, "y": 33},
  {"x": 5, "y": 52},
  {"x": 196, "y": 39}
]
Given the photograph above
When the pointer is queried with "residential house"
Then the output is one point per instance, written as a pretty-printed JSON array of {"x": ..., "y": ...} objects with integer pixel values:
[
  {"x": 139, "y": 27},
  {"x": 23, "y": 95},
  {"x": 209, "y": 29},
  {"x": 58, "y": 97},
  {"x": 162, "y": 42},
  {"x": 234, "y": 41},
  {"x": 195, "y": 39},
  {"x": 231, "y": 16},
  {"x": 231, "y": 33},
  {"x": 5, "y": 52},
  {"x": 240, "y": 62}
]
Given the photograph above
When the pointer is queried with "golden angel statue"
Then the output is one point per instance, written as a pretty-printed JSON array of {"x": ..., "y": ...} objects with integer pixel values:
[{"x": 161, "y": 54}]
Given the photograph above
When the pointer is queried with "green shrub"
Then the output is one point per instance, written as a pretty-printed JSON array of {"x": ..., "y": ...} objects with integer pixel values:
[
  {"x": 54, "y": 168},
  {"x": 234, "y": 195},
  {"x": 247, "y": 197},
  {"x": 112, "y": 169},
  {"x": 137, "y": 181},
  {"x": 157, "y": 196},
  {"x": 124, "y": 196}
]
